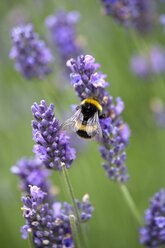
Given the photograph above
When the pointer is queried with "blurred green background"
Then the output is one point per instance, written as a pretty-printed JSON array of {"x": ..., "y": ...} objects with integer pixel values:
[{"x": 112, "y": 224}]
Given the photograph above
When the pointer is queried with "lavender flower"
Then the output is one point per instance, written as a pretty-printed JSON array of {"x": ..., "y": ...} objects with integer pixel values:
[
  {"x": 31, "y": 55},
  {"x": 31, "y": 173},
  {"x": 49, "y": 225},
  {"x": 88, "y": 83},
  {"x": 158, "y": 109},
  {"x": 149, "y": 63},
  {"x": 153, "y": 233},
  {"x": 139, "y": 14},
  {"x": 52, "y": 145},
  {"x": 162, "y": 21},
  {"x": 62, "y": 27},
  {"x": 85, "y": 209}
]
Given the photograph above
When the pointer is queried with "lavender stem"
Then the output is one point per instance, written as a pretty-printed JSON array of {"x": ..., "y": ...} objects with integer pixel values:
[
  {"x": 131, "y": 204},
  {"x": 72, "y": 197},
  {"x": 74, "y": 231},
  {"x": 30, "y": 239}
]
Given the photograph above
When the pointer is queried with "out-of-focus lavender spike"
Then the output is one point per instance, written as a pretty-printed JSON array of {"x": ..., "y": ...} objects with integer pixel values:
[
  {"x": 149, "y": 63},
  {"x": 32, "y": 57},
  {"x": 138, "y": 14},
  {"x": 62, "y": 28},
  {"x": 158, "y": 110},
  {"x": 30, "y": 172}
]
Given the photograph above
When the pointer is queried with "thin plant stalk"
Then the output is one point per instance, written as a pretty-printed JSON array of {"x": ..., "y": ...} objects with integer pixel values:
[
  {"x": 131, "y": 204},
  {"x": 70, "y": 190},
  {"x": 30, "y": 239},
  {"x": 74, "y": 231},
  {"x": 81, "y": 232}
]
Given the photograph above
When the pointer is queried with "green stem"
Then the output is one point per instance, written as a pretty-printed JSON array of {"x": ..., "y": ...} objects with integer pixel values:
[
  {"x": 30, "y": 239},
  {"x": 131, "y": 204},
  {"x": 70, "y": 191},
  {"x": 72, "y": 197},
  {"x": 74, "y": 231}
]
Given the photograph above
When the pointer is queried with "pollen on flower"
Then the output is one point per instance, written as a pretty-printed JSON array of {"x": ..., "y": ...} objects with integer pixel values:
[
  {"x": 45, "y": 242},
  {"x": 86, "y": 198},
  {"x": 27, "y": 212},
  {"x": 112, "y": 114}
]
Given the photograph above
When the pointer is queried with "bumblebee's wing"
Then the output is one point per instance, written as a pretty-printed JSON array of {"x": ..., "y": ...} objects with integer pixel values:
[
  {"x": 93, "y": 126},
  {"x": 73, "y": 123}
]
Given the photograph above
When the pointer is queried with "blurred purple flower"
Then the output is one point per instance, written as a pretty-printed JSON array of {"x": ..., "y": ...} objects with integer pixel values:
[
  {"x": 153, "y": 233},
  {"x": 157, "y": 59},
  {"x": 62, "y": 27},
  {"x": 139, "y": 14},
  {"x": 158, "y": 109},
  {"x": 31, "y": 55},
  {"x": 88, "y": 83},
  {"x": 30, "y": 172},
  {"x": 162, "y": 19},
  {"x": 139, "y": 65},
  {"x": 52, "y": 145},
  {"x": 148, "y": 64}
]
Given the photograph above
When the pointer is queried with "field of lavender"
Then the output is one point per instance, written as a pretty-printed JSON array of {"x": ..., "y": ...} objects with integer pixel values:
[{"x": 57, "y": 57}]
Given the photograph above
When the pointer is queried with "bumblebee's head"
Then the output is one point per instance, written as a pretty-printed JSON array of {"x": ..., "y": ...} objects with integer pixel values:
[{"x": 90, "y": 106}]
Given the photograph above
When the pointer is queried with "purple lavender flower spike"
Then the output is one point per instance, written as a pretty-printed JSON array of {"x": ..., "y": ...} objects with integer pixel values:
[
  {"x": 139, "y": 66},
  {"x": 89, "y": 83},
  {"x": 158, "y": 109},
  {"x": 30, "y": 172},
  {"x": 52, "y": 145},
  {"x": 139, "y": 14},
  {"x": 49, "y": 225},
  {"x": 62, "y": 27},
  {"x": 157, "y": 58},
  {"x": 31, "y": 55},
  {"x": 153, "y": 232},
  {"x": 149, "y": 63},
  {"x": 162, "y": 19},
  {"x": 85, "y": 209}
]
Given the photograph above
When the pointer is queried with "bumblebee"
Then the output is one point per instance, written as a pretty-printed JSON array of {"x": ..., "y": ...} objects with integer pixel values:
[{"x": 85, "y": 121}]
